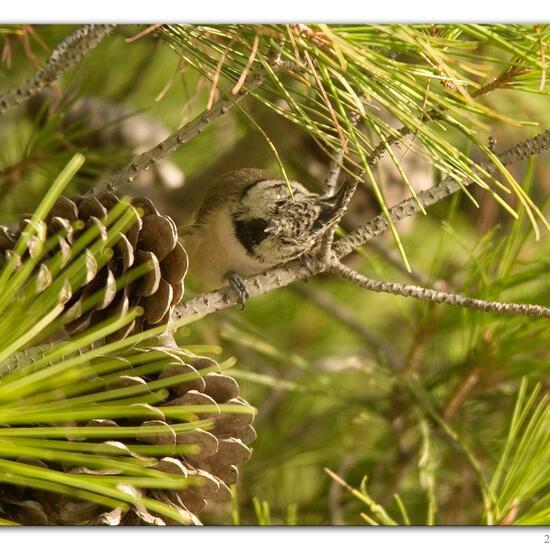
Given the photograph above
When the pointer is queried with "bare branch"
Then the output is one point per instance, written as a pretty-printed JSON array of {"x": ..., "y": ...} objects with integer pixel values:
[
  {"x": 144, "y": 161},
  {"x": 210, "y": 302},
  {"x": 334, "y": 171},
  {"x": 66, "y": 55},
  {"x": 437, "y": 296}
]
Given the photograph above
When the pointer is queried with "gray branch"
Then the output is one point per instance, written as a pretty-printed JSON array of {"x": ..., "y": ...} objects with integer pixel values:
[
  {"x": 210, "y": 302},
  {"x": 448, "y": 186},
  {"x": 427, "y": 294},
  {"x": 66, "y": 55},
  {"x": 187, "y": 132}
]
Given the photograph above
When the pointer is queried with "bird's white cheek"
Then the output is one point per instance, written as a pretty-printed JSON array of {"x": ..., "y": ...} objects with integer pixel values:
[
  {"x": 268, "y": 252},
  {"x": 274, "y": 253}
]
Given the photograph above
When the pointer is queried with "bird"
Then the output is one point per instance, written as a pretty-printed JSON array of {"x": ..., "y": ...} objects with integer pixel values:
[{"x": 250, "y": 220}]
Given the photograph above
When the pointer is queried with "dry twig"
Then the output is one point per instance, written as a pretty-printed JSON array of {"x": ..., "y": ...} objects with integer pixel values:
[
  {"x": 190, "y": 130},
  {"x": 66, "y": 55},
  {"x": 439, "y": 297}
]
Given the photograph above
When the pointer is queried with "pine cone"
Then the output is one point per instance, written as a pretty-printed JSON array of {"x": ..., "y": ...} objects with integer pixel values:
[
  {"x": 152, "y": 238},
  {"x": 222, "y": 447}
]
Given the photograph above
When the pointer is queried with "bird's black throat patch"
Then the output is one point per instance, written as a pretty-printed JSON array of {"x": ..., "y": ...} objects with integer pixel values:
[{"x": 250, "y": 232}]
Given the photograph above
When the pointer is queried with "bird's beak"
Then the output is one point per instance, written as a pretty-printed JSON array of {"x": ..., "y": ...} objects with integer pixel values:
[
  {"x": 271, "y": 228},
  {"x": 339, "y": 198},
  {"x": 332, "y": 206}
]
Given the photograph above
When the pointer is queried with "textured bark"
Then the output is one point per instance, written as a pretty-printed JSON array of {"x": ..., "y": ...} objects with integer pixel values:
[
  {"x": 187, "y": 132},
  {"x": 65, "y": 56}
]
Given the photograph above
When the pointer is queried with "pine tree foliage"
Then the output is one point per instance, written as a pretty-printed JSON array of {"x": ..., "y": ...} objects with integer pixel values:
[
  {"x": 416, "y": 85},
  {"x": 371, "y": 408}
]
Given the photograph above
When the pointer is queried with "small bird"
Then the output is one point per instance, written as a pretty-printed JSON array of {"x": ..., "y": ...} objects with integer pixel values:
[{"x": 249, "y": 221}]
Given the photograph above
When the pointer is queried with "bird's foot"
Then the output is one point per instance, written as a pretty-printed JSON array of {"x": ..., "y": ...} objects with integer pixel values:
[{"x": 237, "y": 284}]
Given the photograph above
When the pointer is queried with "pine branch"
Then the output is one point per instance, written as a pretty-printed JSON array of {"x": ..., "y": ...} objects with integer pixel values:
[
  {"x": 437, "y": 296},
  {"x": 448, "y": 186},
  {"x": 193, "y": 128},
  {"x": 66, "y": 55},
  {"x": 499, "y": 82},
  {"x": 284, "y": 275}
]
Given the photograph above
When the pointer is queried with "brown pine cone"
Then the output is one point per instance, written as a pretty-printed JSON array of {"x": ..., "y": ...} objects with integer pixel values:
[
  {"x": 221, "y": 446},
  {"x": 151, "y": 238}
]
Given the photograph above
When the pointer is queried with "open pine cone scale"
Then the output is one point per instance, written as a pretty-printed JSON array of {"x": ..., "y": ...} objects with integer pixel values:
[
  {"x": 152, "y": 239},
  {"x": 206, "y": 454}
]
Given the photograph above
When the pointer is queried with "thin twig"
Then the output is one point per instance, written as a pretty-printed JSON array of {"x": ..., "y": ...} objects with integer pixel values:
[
  {"x": 338, "y": 161},
  {"x": 439, "y": 297},
  {"x": 144, "y": 161},
  {"x": 66, "y": 55},
  {"x": 286, "y": 274}
]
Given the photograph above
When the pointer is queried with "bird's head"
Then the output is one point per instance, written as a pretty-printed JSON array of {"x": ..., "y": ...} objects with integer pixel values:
[{"x": 276, "y": 226}]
